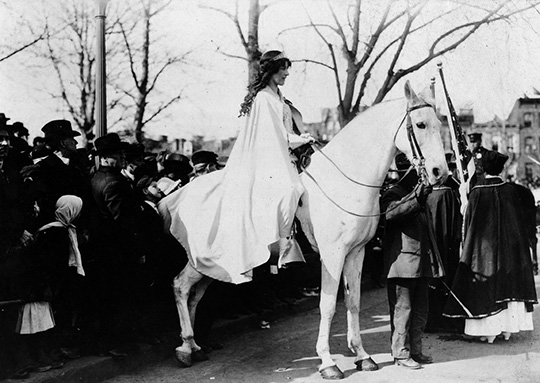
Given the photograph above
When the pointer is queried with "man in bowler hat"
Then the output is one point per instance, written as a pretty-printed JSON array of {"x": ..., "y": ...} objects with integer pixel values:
[
  {"x": 57, "y": 174},
  {"x": 115, "y": 239}
]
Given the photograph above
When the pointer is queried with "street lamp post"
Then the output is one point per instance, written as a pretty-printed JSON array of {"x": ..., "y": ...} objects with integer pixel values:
[{"x": 101, "y": 94}]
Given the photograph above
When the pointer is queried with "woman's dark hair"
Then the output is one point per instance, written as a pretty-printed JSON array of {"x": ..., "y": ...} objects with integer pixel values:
[{"x": 271, "y": 63}]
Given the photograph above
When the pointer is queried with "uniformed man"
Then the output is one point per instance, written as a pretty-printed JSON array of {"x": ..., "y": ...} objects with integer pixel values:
[{"x": 478, "y": 151}]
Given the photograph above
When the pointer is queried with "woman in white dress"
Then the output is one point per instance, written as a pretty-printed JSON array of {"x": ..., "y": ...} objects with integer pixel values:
[{"x": 227, "y": 220}]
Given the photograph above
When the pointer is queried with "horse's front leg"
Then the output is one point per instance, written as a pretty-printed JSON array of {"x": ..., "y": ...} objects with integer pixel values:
[
  {"x": 352, "y": 277},
  {"x": 330, "y": 274},
  {"x": 182, "y": 285}
]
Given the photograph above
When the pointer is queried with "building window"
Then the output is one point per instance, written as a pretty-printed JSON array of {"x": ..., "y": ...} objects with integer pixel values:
[
  {"x": 529, "y": 171},
  {"x": 527, "y": 120},
  {"x": 529, "y": 145},
  {"x": 496, "y": 143}
]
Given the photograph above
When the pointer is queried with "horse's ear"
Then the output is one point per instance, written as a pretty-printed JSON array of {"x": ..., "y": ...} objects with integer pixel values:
[
  {"x": 427, "y": 95},
  {"x": 409, "y": 93}
]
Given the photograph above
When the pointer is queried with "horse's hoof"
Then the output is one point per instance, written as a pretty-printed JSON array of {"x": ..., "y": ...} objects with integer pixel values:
[
  {"x": 199, "y": 356},
  {"x": 366, "y": 365},
  {"x": 331, "y": 373},
  {"x": 183, "y": 358}
]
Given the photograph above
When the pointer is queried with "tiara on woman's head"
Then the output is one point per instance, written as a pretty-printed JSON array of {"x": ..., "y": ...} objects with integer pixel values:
[{"x": 279, "y": 57}]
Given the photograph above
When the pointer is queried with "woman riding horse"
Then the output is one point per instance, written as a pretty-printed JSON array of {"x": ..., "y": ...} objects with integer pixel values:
[{"x": 227, "y": 219}]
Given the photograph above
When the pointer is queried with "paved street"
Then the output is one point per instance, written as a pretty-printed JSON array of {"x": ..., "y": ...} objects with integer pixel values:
[{"x": 286, "y": 353}]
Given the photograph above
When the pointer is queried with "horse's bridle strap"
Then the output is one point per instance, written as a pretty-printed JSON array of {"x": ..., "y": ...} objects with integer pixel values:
[
  {"x": 415, "y": 148},
  {"x": 419, "y": 106}
]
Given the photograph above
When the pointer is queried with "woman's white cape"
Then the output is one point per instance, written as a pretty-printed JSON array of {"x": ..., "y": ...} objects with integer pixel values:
[{"x": 227, "y": 220}]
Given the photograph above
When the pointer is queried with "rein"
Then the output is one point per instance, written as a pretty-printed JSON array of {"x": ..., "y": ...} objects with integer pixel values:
[{"x": 418, "y": 162}]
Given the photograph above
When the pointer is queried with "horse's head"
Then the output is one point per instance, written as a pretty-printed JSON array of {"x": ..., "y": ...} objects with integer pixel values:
[{"x": 425, "y": 129}]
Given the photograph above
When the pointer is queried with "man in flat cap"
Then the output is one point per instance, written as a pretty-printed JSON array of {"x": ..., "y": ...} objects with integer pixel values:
[
  {"x": 177, "y": 167},
  {"x": 205, "y": 162}
]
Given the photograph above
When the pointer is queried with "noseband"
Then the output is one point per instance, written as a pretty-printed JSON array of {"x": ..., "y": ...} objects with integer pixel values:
[{"x": 418, "y": 160}]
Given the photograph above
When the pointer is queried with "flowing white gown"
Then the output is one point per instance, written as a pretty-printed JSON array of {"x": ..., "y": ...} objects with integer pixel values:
[{"x": 227, "y": 220}]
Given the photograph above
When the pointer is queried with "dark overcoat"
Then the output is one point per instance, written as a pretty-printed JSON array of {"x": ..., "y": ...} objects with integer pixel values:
[{"x": 495, "y": 265}]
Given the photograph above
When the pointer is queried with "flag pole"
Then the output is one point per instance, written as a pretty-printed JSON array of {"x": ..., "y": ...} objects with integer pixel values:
[
  {"x": 459, "y": 152},
  {"x": 450, "y": 119}
]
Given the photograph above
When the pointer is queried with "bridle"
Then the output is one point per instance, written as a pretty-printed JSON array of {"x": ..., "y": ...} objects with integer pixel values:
[{"x": 418, "y": 161}]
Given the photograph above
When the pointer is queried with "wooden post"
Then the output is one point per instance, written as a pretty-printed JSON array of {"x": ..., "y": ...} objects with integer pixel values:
[{"x": 101, "y": 94}]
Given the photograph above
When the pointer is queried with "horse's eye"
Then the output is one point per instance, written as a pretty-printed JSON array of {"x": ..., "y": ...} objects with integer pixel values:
[{"x": 421, "y": 125}]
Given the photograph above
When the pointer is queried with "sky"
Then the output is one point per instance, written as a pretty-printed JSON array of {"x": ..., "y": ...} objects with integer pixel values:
[{"x": 487, "y": 73}]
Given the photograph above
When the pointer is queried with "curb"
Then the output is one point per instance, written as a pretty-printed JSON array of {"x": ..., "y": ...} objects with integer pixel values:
[{"x": 94, "y": 369}]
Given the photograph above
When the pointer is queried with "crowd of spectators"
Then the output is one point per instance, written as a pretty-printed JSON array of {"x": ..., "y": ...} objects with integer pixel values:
[{"x": 85, "y": 265}]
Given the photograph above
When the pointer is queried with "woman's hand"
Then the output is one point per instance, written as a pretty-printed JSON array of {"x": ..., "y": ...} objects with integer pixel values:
[
  {"x": 308, "y": 137},
  {"x": 296, "y": 140},
  {"x": 26, "y": 239}
]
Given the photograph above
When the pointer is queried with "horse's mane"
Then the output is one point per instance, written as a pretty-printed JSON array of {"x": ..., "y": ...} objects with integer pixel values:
[{"x": 393, "y": 109}]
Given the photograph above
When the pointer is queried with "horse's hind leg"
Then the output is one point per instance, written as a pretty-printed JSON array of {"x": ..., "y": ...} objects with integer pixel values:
[
  {"x": 352, "y": 276},
  {"x": 182, "y": 285},
  {"x": 199, "y": 289},
  {"x": 330, "y": 275}
]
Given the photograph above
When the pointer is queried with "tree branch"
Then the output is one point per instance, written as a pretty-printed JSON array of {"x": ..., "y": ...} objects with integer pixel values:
[
  {"x": 169, "y": 62},
  {"x": 334, "y": 61},
  {"x": 339, "y": 29},
  {"x": 130, "y": 54},
  {"x": 314, "y": 62},
  {"x": 233, "y": 18},
  {"x": 163, "y": 107}
]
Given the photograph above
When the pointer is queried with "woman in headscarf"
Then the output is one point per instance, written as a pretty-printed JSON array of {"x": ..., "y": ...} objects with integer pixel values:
[{"x": 54, "y": 252}]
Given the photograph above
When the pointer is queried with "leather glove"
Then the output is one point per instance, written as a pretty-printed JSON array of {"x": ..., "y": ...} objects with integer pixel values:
[{"x": 422, "y": 191}]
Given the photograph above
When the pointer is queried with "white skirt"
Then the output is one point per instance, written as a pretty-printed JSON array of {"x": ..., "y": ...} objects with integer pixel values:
[
  {"x": 36, "y": 317},
  {"x": 513, "y": 319}
]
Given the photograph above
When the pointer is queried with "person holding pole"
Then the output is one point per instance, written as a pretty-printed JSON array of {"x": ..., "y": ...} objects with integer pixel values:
[{"x": 494, "y": 286}]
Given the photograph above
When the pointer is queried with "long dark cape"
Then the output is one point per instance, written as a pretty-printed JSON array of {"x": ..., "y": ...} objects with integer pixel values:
[{"x": 495, "y": 266}]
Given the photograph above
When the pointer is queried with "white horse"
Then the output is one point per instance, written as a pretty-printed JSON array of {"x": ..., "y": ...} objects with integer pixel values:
[{"x": 339, "y": 215}]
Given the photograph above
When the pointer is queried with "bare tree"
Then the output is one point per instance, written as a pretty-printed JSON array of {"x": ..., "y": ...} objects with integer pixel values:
[
  {"x": 76, "y": 87},
  {"x": 249, "y": 37},
  {"x": 146, "y": 67},
  {"x": 71, "y": 54},
  {"x": 389, "y": 40}
]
